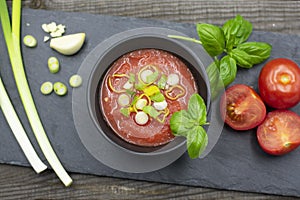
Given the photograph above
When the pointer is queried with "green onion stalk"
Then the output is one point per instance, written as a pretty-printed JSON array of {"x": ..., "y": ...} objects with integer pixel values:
[
  {"x": 12, "y": 37},
  {"x": 18, "y": 131}
]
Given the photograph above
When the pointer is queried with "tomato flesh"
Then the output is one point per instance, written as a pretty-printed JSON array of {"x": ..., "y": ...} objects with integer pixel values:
[
  {"x": 241, "y": 107},
  {"x": 280, "y": 132},
  {"x": 279, "y": 83}
]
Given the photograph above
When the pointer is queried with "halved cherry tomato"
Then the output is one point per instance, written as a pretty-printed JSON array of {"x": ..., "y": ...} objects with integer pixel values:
[
  {"x": 241, "y": 107},
  {"x": 279, "y": 83},
  {"x": 280, "y": 132}
]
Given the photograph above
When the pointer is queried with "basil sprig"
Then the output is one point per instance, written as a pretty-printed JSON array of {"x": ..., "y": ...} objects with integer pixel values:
[
  {"x": 229, "y": 48},
  {"x": 231, "y": 40},
  {"x": 189, "y": 123}
]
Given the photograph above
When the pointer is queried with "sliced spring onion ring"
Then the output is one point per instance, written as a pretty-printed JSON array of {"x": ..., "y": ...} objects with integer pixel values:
[
  {"x": 60, "y": 88},
  {"x": 141, "y": 118},
  {"x": 148, "y": 75},
  {"x": 128, "y": 85},
  {"x": 182, "y": 93},
  {"x": 53, "y": 64},
  {"x": 145, "y": 74},
  {"x": 123, "y": 100},
  {"x": 46, "y": 88},
  {"x": 140, "y": 104},
  {"x": 29, "y": 41},
  {"x": 173, "y": 79},
  {"x": 160, "y": 105},
  {"x": 75, "y": 81}
]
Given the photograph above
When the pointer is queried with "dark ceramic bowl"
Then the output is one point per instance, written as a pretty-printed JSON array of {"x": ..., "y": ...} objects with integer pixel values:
[{"x": 96, "y": 135}]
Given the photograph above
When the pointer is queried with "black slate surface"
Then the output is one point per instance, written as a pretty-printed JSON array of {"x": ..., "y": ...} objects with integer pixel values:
[{"x": 236, "y": 162}]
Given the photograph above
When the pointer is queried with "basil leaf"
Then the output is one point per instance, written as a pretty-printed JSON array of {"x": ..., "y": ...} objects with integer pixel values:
[
  {"x": 197, "y": 140},
  {"x": 215, "y": 81},
  {"x": 236, "y": 31},
  {"x": 180, "y": 123},
  {"x": 213, "y": 74},
  {"x": 251, "y": 53},
  {"x": 157, "y": 97},
  {"x": 150, "y": 110},
  {"x": 212, "y": 38},
  {"x": 197, "y": 109},
  {"x": 228, "y": 70}
]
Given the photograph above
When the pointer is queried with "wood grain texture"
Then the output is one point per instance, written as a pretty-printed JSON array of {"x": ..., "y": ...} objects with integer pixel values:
[
  {"x": 273, "y": 15},
  {"x": 268, "y": 15},
  {"x": 22, "y": 183}
]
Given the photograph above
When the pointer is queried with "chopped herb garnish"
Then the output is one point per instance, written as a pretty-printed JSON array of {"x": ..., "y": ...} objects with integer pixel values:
[
  {"x": 158, "y": 97},
  {"x": 153, "y": 77},
  {"x": 130, "y": 92},
  {"x": 162, "y": 82},
  {"x": 131, "y": 78},
  {"x": 150, "y": 110},
  {"x": 125, "y": 112}
]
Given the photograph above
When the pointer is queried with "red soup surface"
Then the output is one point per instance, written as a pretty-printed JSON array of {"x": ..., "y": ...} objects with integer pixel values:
[{"x": 141, "y": 91}]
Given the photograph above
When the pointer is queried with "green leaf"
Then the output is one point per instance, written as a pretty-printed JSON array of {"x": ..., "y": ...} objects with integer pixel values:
[
  {"x": 197, "y": 109},
  {"x": 158, "y": 97},
  {"x": 228, "y": 70},
  {"x": 251, "y": 53},
  {"x": 212, "y": 38},
  {"x": 131, "y": 78},
  {"x": 130, "y": 92},
  {"x": 150, "y": 110},
  {"x": 216, "y": 84},
  {"x": 162, "y": 82},
  {"x": 140, "y": 86},
  {"x": 236, "y": 31},
  {"x": 181, "y": 123},
  {"x": 197, "y": 140},
  {"x": 125, "y": 112}
]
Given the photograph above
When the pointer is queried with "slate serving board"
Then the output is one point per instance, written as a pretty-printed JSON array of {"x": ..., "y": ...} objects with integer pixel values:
[{"x": 235, "y": 163}]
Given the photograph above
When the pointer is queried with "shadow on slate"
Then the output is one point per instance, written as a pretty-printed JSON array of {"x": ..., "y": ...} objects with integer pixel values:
[{"x": 235, "y": 163}]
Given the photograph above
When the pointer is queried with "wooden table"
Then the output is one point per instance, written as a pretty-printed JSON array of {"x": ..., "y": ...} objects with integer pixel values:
[{"x": 267, "y": 15}]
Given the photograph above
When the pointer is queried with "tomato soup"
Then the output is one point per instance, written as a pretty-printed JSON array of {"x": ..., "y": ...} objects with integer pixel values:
[{"x": 141, "y": 91}]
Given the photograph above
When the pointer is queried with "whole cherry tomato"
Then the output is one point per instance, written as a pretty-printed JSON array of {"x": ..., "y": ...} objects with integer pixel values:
[
  {"x": 280, "y": 132},
  {"x": 279, "y": 83},
  {"x": 241, "y": 107}
]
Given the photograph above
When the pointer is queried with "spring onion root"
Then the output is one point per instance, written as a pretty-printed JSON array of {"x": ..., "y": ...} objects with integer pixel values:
[{"x": 12, "y": 39}]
